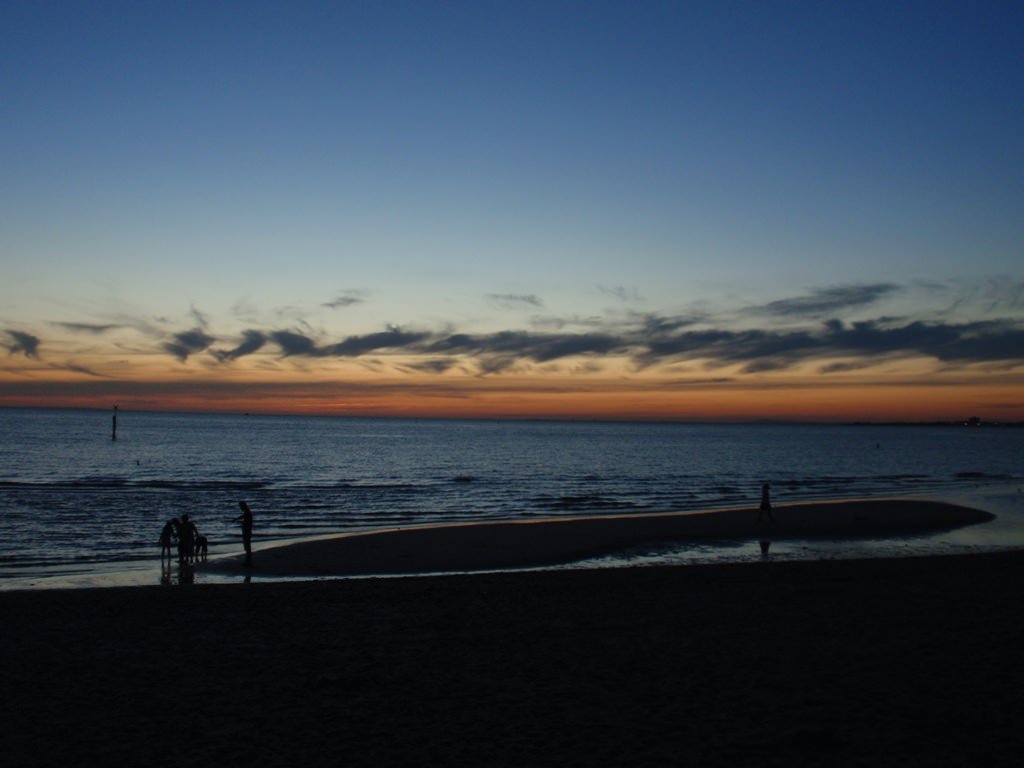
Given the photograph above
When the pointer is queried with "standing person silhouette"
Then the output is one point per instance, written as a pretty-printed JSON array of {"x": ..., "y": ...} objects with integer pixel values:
[
  {"x": 246, "y": 520},
  {"x": 187, "y": 533},
  {"x": 765, "y": 510},
  {"x": 168, "y": 536}
]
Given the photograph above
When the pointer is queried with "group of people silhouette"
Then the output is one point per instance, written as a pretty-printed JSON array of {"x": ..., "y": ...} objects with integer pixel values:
[{"x": 183, "y": 536}]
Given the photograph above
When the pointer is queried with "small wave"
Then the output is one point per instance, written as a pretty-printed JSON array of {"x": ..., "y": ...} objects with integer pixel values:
[
  {"x": 105, "y": 483},
  {"x": 360, "y": 485},
  {"x": 982, "y": 476},
  {"x": 579, "y": 502}
]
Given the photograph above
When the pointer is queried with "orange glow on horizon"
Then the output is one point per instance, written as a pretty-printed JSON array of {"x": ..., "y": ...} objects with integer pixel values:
[{"x": 562, "y": 398}]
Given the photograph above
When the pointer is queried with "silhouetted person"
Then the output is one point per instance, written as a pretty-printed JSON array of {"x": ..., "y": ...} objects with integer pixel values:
[
  {"x": 168, "y": 536},
  {"x": 187, "y": 533},
  {"x": 246, "y": 520},
  {"x": 764, "y": 512}
]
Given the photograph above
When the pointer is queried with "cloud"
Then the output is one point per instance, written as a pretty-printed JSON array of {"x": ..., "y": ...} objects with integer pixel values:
[
  {"x": 187, "y": 343},
  {"x": 519, "y": 344},
  {"x": 657, "y": 325},
  {"x": 146, "y": 327},
  {"x": 199, "y": 317},
  {"x": 705, "y": 382},
  {"x": 620, "y": 292},
  {"x": 252, "y": 341},
  {"x": 75, "y": 368},
  {"x": 761, "y": 350},
  {"x": 437, "y": 365},
  {"x": 22, "y": 342},
  {"x": 656, "y": 340},
  {"x": 292, "y": 343},
  {"x": 825, "y": 302},
  {"x": 814, "y": 334},
  {"x": 88, "y": 327},
  {"x": 345, "y": 299},
  {"x": 393, "y": 338},
  {"x": 558, "y": 323},
  {"x": 515, "y": 300},
  {"x": 846, "y": 367}
]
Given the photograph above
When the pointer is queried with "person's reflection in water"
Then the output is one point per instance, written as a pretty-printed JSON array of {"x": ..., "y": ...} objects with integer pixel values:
[
  {"x": 186, "y": 573},
  {"x": 765, "y": 545},
  {"x": 246, "y": 520},
  {"x": 165, "y": 572}
]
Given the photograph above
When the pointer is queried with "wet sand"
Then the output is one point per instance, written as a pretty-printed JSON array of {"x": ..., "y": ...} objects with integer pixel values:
[
  {"x": 875, "y": 662},
  {"x": 491, "y": 546}
]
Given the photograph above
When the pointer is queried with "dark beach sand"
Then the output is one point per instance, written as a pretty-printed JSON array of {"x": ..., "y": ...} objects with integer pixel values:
[{"x": 914, "y": 661}]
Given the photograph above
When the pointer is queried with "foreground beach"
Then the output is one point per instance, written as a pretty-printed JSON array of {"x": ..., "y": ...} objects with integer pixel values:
[{"x": 877, "y": 662}]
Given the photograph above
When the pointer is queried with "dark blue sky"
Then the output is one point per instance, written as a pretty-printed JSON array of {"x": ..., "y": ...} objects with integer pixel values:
[{"x": 254, "y": 162}]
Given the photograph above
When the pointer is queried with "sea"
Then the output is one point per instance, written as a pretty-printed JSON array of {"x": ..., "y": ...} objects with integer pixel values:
[{"x": 79, "y": 508}]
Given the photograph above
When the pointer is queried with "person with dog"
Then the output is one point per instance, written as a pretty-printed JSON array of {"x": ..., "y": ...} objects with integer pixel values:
[
  {"x": 246, "y": 520},
  {"x": 202, "y": 547}
]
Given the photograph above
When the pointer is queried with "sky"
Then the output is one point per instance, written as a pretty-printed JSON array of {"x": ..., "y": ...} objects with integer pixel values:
[{"x": 622, "y": 210}]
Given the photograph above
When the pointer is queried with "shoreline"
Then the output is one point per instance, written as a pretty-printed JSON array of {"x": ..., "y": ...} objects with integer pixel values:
[
  {"x": 604, "y": 541},
  {"x": 489, "y": 546}
]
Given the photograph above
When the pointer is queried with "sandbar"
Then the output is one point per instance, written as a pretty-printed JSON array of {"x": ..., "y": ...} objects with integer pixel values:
[{"x": 530, "y": 543}]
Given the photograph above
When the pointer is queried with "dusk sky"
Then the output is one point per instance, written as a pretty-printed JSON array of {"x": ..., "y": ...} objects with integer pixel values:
[{"x": 678, "y": 210}]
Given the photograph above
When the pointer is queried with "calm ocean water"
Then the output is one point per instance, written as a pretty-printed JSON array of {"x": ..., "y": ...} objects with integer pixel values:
[{"x": 74, "y": 502}]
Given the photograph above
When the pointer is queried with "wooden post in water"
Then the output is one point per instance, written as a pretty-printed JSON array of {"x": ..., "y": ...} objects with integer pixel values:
[{"x": 113, "y": 433}]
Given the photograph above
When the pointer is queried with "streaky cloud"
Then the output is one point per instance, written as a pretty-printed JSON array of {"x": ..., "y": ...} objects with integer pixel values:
[
  {"x": 354, "y": 346},
  {"x": 94, "y": 328},
  {"x": 538, "y": 347},
  {"x": 293, "y": 344},
  {"x": 620, "y": 292},
  {"x": 24, "y": 343},
  {"x": 252, "y": 341},
  {"x": 345, "y": 299},
  {"x": 75, "y": 368},
  {"x": 188, "y": 343},
  {"x": 846, "y": 367},
  {"x": 827, "y": 301},
  {"x": 437, "y": 365},
  {"x": 515, "y": 300},
  {"x": 760, "y": 350},
  {"x": 648, "y": 339},
  {"x": 558, "y": 323},
  {"x": 702, "y": 382},
  {"x": 201, "y": 320},
  {"x": 658, "y": 325}
]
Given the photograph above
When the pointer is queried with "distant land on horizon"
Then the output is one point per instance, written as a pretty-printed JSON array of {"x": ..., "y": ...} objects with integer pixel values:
[{"x": 971, "y": 422}]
